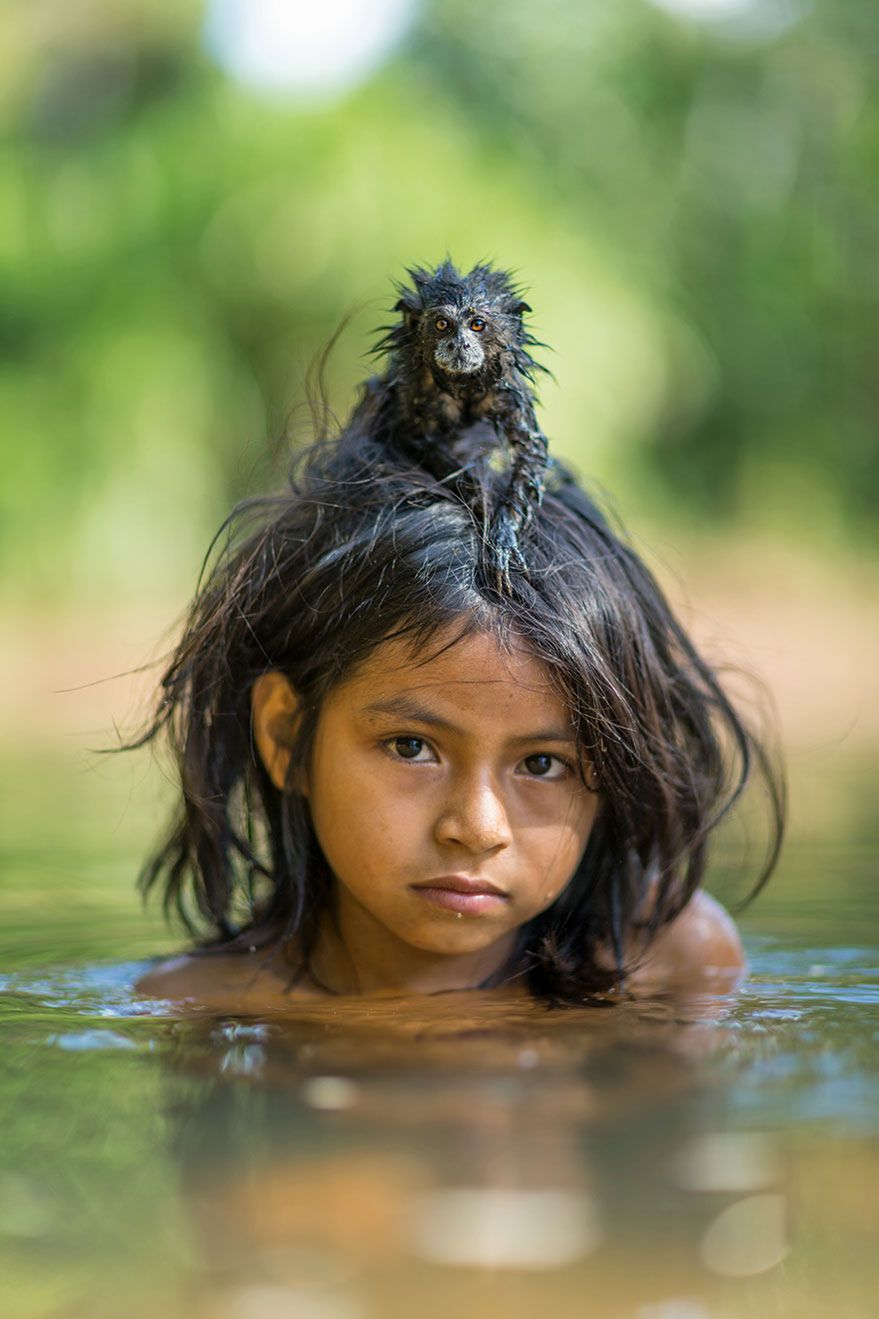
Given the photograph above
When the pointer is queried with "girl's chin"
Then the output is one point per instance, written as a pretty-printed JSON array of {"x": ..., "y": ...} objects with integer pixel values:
[{"x": 461, "y": 940}]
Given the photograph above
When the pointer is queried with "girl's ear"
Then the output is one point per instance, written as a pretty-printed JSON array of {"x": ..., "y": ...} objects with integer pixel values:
[{"x": 275, "y": 714}]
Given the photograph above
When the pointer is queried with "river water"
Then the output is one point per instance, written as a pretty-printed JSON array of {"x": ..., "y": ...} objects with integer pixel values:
[{"x": 673, "y": 1159}]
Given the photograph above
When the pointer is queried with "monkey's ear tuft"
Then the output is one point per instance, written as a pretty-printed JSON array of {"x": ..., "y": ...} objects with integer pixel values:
[
  {"x": 411, "y": 313},
  {"x": 521, "y": 307}
]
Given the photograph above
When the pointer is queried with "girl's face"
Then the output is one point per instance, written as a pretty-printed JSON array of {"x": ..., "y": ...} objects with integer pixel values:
[{"x": 447, "y": 800}]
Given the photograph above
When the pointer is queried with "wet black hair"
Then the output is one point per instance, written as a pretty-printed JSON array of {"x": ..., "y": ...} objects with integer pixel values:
[{"x": 364, "y": 545}]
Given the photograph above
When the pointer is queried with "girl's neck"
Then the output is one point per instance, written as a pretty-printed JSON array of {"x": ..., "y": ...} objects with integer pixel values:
[{"x": 350, "y": 959}]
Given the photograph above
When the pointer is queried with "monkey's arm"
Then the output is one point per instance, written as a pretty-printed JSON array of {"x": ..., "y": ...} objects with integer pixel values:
[{"x": 528, "y": 447}]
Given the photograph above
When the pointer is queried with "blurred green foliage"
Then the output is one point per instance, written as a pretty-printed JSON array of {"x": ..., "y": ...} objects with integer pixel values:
[{"x": 692, "y": 204}]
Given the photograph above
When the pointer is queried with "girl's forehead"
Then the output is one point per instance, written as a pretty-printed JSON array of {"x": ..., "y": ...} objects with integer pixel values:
[{"x": 460, "y": 667}]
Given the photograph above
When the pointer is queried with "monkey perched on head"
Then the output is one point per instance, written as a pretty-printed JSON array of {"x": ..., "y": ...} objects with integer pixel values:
[{"x": 458, "y": 357}]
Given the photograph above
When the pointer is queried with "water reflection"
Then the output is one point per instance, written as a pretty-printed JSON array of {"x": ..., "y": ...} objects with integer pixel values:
[
  {"x": 457, "y": 1154},
  {"x": 343, "y": 1166}
]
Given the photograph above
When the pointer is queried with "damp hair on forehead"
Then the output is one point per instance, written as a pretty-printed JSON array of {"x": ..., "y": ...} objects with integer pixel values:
[{"x": 366, "y": 544}]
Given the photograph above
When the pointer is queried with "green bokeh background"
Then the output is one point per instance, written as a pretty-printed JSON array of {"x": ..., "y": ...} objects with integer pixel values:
[{"x": 692, "y": 203}]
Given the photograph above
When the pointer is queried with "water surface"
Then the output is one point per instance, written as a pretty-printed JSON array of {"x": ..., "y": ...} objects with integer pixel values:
[{"x": 675, "y": 1159}]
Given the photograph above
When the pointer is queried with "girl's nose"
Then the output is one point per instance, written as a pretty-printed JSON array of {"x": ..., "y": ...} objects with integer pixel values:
[{"x": 476, "y": 818}]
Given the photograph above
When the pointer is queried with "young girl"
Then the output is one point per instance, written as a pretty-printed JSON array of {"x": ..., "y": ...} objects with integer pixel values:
[{"x": 404, "y": 770}]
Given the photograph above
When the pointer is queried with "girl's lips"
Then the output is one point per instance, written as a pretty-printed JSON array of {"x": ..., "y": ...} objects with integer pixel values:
[{"x": 468, "y": 896}]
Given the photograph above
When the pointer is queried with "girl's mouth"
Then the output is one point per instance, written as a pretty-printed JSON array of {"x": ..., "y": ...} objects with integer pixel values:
[{"x": 469, "y": 897}]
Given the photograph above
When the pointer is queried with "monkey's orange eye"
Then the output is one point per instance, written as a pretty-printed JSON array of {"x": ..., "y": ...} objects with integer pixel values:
[
  {"x": 477, "y": 324},
  {"x": 441, "y": 323}
]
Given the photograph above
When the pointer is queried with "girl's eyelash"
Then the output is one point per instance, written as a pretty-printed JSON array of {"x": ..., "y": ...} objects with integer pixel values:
[
  {"x": 566, "y": 767},
  {"x": 389, "y": 745}
]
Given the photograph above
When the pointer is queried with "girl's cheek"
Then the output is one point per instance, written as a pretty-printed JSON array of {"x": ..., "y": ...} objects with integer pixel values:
[{"x": 567, "y": 808}]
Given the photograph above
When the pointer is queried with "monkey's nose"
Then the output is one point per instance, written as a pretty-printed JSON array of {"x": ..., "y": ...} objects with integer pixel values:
[{"x": 459, "y": 358}]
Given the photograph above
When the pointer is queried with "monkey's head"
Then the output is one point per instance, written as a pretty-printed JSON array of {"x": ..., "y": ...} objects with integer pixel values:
[{"x": 461, "y": 325}]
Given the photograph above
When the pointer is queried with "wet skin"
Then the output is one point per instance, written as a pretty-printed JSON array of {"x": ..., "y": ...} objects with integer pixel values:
[{"x": 448, "y": 801}]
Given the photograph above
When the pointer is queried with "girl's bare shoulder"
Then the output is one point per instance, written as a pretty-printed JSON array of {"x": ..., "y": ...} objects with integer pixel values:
[
  {"x": 230, "y": 982},
  {"x": 700, "y": 949}
]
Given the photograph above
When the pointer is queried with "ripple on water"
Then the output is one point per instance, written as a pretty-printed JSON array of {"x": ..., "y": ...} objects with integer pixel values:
[
  {"x": 801, "y": 1033},
  {"x": 101, "y": 989},
  {"x": 82, "y": 1040}
]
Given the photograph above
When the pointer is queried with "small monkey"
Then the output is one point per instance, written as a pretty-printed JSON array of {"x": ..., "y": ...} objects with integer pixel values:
[{"x": 459, "y": 356}]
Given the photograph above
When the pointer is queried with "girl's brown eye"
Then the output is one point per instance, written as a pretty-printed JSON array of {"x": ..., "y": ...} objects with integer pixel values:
[
  {"x": 544, "y": 766},
  {"x": 441, "y": 323},
  {"x": 477, "y": 324},
  {"x": 408, "y": 748}
]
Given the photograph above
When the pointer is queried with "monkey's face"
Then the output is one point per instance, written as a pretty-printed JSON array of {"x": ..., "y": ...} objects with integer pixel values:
[{"x": 460, "y": 339}]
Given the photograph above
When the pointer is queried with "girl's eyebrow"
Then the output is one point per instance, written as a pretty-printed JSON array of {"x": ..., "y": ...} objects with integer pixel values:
[{"x": 404, "y": 707}]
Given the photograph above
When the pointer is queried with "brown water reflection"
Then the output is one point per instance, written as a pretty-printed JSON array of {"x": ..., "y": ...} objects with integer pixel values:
[{"x": 342, "y": 1168}]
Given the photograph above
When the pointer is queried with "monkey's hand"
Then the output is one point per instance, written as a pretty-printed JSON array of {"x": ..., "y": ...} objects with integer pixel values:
[{"x": 505, "y": 553}]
